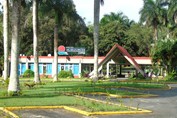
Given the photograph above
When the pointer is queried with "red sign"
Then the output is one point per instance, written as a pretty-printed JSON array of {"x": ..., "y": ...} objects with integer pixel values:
[{"x": 61, "y": 48}]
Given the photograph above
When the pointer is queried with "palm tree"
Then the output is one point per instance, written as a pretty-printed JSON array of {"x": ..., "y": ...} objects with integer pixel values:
[
  {"x": 96, "y": 35},
  {"x": 35, "y": 41},
  {"x": 169, "y": 15},
  {"x": 14, "y": 85},
  {"x": 6, "y": 37},
  {"x": 172, "y": 12},
  {"x": 119, "y": 17},
  {"x": 151, "y": 15},
  {"x": 59, "y": 7}
]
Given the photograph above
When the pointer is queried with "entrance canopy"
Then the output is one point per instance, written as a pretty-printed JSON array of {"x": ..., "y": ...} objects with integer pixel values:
[{"x": 120, "y": 56}]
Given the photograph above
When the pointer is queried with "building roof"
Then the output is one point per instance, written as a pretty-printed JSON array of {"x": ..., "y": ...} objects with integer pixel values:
[{"x": 120, "y": 56}]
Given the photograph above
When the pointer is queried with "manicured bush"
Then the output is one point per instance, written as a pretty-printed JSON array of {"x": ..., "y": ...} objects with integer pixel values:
[
  {"x": 28, "y": 73},
  {"x": 65, "y": 74}
]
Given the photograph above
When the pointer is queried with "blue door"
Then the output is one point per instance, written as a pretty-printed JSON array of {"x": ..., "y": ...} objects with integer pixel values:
[
  {"x": 40, "y": 68},
  {"x": 66, "y": 67},
  {"x": 19, "y": 69},
  {"x": 31, "y": 66},
  {"x": 59, "y": 68},
  {"x": 23, "y": 68},
  {"x": 49, "y": 69},
  {"x": 76, "y": 69}
]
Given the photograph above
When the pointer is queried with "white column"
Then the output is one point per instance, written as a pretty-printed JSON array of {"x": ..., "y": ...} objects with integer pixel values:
[
  {"x": 107, "y": 70},
  {"x": 52, "y": 68},
  {"x": 27, "y": 64},
  {"x": 80, "y": 66}
]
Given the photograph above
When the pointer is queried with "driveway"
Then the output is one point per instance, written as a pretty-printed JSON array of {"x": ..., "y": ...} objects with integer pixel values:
[{"x": 164, "y": 106}]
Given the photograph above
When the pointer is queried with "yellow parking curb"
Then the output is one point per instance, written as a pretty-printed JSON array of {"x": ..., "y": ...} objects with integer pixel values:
[
  {"x": 9, "y": 109},
  {"x": 116, "y": 112},
  {"x": 34, "y": 107},
  {"x": 77, "y": 110},
  {"x": 136, "y": 111},
  {"x": 119, "y": 112},
  {"x": 136, "y": 96},
  {"x": 9, "y": 112},
  {"x": 119, "y": 96}
]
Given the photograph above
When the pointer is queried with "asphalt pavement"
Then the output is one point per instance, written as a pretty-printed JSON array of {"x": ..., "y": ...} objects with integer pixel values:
[{"x": 163, "y": 106}]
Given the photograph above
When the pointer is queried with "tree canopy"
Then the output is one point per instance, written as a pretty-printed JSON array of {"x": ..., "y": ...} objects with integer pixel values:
[{"x": 116, "y": 27}]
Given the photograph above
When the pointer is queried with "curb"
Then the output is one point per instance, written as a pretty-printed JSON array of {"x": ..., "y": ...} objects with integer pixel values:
[
  {"x": 115, "y": 112},
  {"x": 9, "y": 112},
  {"x": 137, "y": 111},
  {"x": 9, "y": 109},
  {"x": 133, "y": 88},
  {"x": 136, "y": 96}
]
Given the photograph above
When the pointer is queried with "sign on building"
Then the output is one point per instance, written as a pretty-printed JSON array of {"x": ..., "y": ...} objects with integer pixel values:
[{"x": 75, "y": 49}]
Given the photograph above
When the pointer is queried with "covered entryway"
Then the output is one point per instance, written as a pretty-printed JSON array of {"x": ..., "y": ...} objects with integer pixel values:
[{"x": 120, "y": 56}]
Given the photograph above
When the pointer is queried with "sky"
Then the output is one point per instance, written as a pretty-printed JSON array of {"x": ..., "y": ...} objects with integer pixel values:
[{"x": 130, "y": 8}]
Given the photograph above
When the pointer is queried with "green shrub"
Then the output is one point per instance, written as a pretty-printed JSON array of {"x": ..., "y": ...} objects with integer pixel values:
[
  {"x": 140, "y": 76},
  {"x": 28, "y": 73},
  {"x": 84, "y": 73},
  {"x": 65, "y": 74},
  {"x": 171, "y": 76},
  {"x": 5, "y": 83}
]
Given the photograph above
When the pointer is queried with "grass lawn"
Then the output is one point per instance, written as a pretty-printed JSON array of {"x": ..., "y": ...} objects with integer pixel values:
[{"x": 54, "y": 94}]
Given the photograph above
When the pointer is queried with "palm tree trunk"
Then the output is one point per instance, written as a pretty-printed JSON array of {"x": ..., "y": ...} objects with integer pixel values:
[
  {"x": 96, "y": 36},
  {"x": 55, "y": 77},
  {"x": 6, "y": 37},
  {"x": 14, "y": 84},
  {"x": 35, "y": 41},
  {"x": 175, "y": 17},
  {"x": 155, "y": 33}
]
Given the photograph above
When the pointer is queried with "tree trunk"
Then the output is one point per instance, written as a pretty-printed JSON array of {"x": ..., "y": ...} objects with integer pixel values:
[
  {"x": 55, "y": 76},
  {"x": 35, "y": 41},
  {"x": 6, "y": 37},
  {"x": 96, "y": 36},
  {"x": 155, "y": 33},
  {"x": 175, "y": 17},
  {"x": 14, "y": 85}
]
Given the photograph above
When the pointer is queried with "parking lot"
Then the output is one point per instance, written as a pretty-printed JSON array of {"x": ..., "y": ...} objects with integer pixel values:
[{"x": 163, "y": 106}]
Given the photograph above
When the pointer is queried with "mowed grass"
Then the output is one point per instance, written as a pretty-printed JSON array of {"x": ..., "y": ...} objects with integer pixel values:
[
  {"x": 50, "y": 94},
  {"x": 56, "y": 94}
]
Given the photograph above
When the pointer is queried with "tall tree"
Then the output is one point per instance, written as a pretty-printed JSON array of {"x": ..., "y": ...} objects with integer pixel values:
[
  {"x": 96, "y": 35},
  {"x": 172, "y": 12},
  {"x": 6, "y": 36},
  {"x": 14, "y": 85},
  {"x": 151, "y": 15},
  {"x": 118, "y": 17},
  {"x": 35, "y": 41},
  {"x": 59, "y": 7}
]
